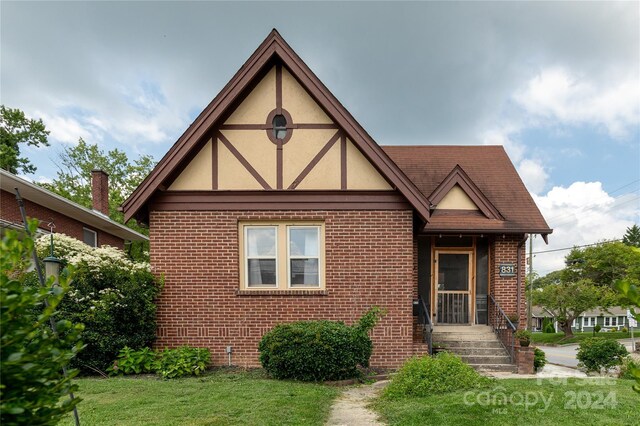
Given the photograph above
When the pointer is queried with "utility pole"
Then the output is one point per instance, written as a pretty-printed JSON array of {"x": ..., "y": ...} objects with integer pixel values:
[{"x": 530, "y": 282}]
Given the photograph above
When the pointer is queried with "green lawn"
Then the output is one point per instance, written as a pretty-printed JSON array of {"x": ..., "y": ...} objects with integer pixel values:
[
  {"x": 217, "y": 398},
  {"x": 553, "y": 339},
  {"x": 575, "y": 401}
]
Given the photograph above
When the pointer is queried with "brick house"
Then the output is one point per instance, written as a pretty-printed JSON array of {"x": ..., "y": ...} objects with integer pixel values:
[
  {"x": 275, "y": 205},
  {"x": 94, "y": 227}
]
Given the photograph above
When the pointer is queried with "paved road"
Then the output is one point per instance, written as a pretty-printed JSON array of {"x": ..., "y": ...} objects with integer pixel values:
[{"x": 566, "y": 355}]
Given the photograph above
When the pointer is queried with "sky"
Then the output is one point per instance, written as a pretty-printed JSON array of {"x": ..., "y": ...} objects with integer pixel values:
[{"x": 558, "y": 84}]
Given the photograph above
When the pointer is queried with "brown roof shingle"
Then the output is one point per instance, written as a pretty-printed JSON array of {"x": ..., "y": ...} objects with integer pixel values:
[{"x": 490, "y": 169}]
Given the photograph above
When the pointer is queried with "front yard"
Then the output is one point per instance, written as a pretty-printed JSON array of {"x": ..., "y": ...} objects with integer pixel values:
[
  {"x": 521, "y": 401},
  {"x": 217, "y": 398},
  {"x": 225, "y": 397},
  {"x": 558, "y": 338}
]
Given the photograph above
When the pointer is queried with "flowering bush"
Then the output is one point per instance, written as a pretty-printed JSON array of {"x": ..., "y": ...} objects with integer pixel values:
[{"x": 113, "y": 296}]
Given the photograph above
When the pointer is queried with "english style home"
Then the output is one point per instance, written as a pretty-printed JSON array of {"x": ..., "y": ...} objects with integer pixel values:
[{"x": 275, "y": 205}]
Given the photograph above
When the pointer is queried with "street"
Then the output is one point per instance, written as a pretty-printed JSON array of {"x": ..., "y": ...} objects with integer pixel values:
[{"x": 566, "y": 355}]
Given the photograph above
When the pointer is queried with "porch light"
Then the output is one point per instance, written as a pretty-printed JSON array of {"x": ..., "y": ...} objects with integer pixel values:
[{"x": 52, "y": 263}]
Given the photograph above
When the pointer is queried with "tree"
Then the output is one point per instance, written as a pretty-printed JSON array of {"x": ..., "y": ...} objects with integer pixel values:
[
  {"x": 567, "y": 300},
  {"x": 73, "y": 179},
  {"x": 31, "y": 379},
  {"x": 16, "y": 129},
  {"x": 603, "y": 264},
  {"x": 632, "y": 236},
  {"x": 631, "y": 297}
]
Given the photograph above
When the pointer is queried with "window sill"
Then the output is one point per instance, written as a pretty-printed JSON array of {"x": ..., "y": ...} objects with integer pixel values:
[{"x": 309, "y": 292}]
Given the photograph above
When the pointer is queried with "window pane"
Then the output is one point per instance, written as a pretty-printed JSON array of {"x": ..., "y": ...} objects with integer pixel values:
[
  {"x": 262, "y": 272},
  {"x": 303, "y": 242},
  {"x": 261, "y": 241},
  {"x": 304, "y": 272},
  {"x": 89, "y": 237},
  {"x": 453, "y": 272}
]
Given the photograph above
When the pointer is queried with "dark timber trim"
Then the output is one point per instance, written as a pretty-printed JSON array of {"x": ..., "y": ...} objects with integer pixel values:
[
  {"x": 343, "y": 161},
  {"x": 279, "y": 200},
  {"x": 214, "y": 162},
  {"x": 315, "y": 161},
  {"x": 243, "y": 161}
]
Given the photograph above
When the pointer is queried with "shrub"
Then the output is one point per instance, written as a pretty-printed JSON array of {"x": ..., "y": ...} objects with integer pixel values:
[
  {"x": 129, "y": 361},
  {"x": 627, "y": 368},
  {"x": 111, "y": 295},
  {"x": 32, "y": 357},
  {"x": 524, "y": 336},
  {"x": 424, "y": 376},
  {"x": 625, "y": 330},
  {"x": 539, "y": 359},
  {"x": 183, "y": 361},
  {"x": 597, "y": 328},
  {"x": 549, "y": 328},
  {"x": 318, "y": 350},
  {"x": 596, "y": 353}
]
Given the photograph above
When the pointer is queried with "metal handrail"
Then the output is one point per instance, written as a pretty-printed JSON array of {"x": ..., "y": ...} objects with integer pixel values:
[
  {"x": 424, "y": 319},
  {"x": 503, "y": 327}
]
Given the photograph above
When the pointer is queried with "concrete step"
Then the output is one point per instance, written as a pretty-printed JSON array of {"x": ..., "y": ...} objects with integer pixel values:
[
  {"x": 507, "y": 368},
  {"x": 462, "y": 329},
  {"x": 464, "y": 336},
  {"x": 478, "y": 351},
  {"x": 486, "y": 359},
  {"x": 454, "y": 344}
]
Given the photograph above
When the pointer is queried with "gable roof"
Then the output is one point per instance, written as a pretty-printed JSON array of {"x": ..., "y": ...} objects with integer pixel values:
[
  {"x": 489, "y": 169},
  {"x": 460, "y": 178},
  {"x": 273, "y": 48},
  {"x": 39, "y": 195}
]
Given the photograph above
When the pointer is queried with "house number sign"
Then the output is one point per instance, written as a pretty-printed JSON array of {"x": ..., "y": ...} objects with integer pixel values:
[{"x": 507, "y": 269}]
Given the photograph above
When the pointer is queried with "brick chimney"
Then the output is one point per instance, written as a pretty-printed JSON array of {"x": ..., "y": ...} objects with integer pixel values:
[{"x": 100, "y": 191}]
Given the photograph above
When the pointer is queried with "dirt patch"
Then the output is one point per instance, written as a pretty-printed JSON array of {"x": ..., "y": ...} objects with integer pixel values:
[{"x": 350, "y": 409}]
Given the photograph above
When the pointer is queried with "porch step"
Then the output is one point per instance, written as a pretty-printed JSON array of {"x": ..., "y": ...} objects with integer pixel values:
[
  {"x": 493, "y": 368},
  {"x": 486, "y": 359},
  {"x": 476, "y": 345}
]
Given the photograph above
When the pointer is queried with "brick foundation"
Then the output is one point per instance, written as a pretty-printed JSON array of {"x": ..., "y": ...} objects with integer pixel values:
[{"x": 369, "y": 261}]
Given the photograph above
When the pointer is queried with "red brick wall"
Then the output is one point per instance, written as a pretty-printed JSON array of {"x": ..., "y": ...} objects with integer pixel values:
[
  {"x": 504, "y": 289},
  {"x": 10, "y": 211},
  {"x": 369, "y": 261}
]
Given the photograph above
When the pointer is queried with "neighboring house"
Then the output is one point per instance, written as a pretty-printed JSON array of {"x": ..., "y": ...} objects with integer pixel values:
[
  {"x": 93, "y": 227},
  {"x": 608, "y": 319},
  {"x": 275, "y": 205}
]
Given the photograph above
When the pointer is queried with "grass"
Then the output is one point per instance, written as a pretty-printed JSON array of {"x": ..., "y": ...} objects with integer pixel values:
[
  {"x": 572, "y": 401},
  {"x": 552, "y": 339},
  {"x": 217, "y": 398}
]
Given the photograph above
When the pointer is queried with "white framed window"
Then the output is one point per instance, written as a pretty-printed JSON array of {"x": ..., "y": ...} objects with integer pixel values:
[
  {"x": 303, "y": 256},
  {"x": 261, "y": 256},
  {"x": 588, "y": 321},
  {"x": 281, "y": 255},
  {"x": 90, "y": 237},
  {"x": 610, "y": 321}
]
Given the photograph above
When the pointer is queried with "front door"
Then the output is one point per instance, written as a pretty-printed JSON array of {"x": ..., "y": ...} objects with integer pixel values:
[{"x": 453, "y": 287}]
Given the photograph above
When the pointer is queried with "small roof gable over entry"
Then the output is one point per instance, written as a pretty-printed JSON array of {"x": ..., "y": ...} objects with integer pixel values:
[{"x": 273, "y": 51}]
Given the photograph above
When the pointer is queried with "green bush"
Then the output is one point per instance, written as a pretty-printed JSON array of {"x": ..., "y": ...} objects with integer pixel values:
[
  {"x": 183, "y": 361},
  {"x": 539, "y": 359},
  {"x": 129, "y": 361},
  {"x": 627, "y": 368},
  {"x": 596, "y": 353},
  {"x": 597, "y": 328},
  {"x": 318, "y": 350},
  {"x": 31, "y": 380},
  {"x": 548, "y": 327},
  {"x": 625, "y": 330},
  {"x": 424, "y": 376},
  {"x": 111, "y": 295},
  {"x": 169, "y": 364}
]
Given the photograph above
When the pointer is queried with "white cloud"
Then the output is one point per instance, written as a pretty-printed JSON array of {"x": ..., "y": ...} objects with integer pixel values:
[
  {"x": 533, "y": 175},
  {"x": 583, "y": 213},
  {"x": 64, "y": 128},
  {"x": 561, "y": 96}
]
